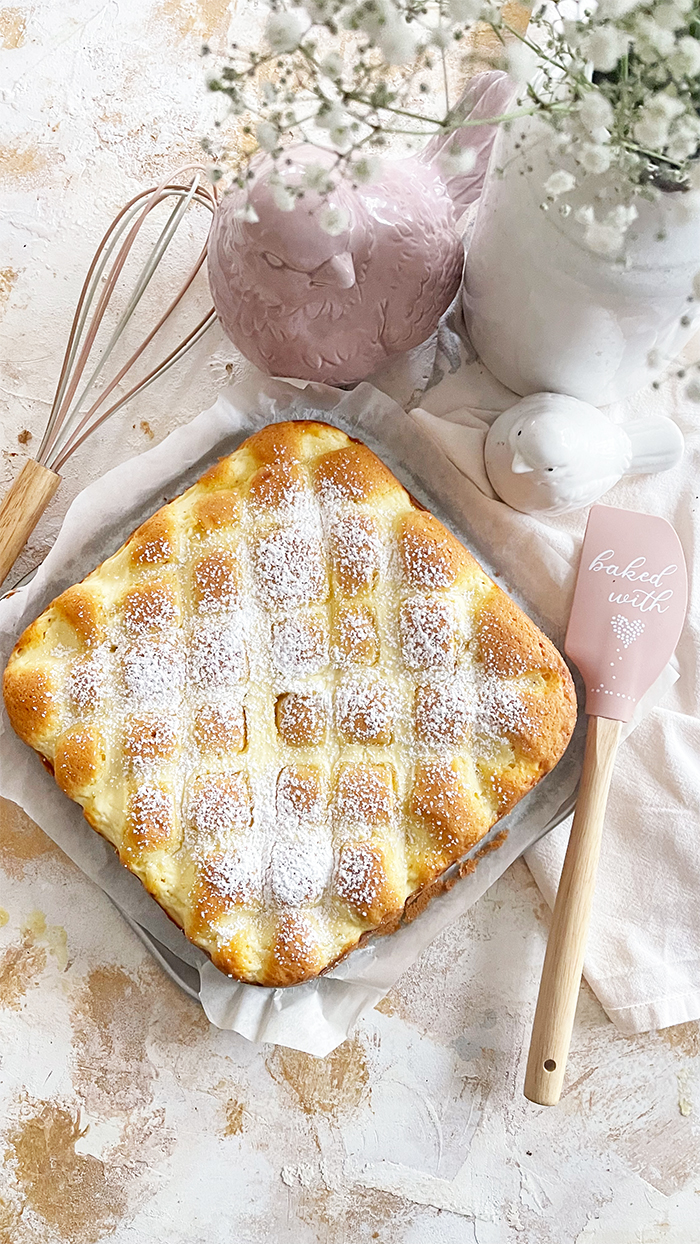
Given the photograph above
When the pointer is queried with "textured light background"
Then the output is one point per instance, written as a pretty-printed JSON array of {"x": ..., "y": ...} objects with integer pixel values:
[{"x": 123, "y": 1114}]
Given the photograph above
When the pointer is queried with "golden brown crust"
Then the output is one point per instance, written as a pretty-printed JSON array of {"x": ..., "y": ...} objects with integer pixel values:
[{"x": 290, "y": 701}]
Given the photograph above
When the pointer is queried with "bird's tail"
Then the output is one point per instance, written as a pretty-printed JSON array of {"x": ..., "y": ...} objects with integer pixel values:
[
  {"x": 486, "y": 96},
  {"x": 657, "y": 444}
]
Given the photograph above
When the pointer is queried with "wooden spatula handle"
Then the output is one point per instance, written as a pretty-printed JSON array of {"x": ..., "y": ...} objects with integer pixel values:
[
  {"x": 563, "y": 964},
  {"x": 21, "y": 509}
]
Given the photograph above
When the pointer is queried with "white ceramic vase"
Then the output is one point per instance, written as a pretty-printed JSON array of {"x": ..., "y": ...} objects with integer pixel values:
[{"x": 544, "y": 311}]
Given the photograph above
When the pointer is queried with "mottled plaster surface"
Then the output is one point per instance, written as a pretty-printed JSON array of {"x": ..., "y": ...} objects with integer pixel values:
[{"x": 123, "y": 1114}]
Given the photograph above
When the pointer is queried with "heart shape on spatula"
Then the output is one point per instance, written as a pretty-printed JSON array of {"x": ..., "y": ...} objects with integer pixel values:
[{"x": 629, "y": 607}]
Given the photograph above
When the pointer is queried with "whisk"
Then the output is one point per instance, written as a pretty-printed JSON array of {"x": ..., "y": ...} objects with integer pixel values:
[{"x": 74, "y": 414}]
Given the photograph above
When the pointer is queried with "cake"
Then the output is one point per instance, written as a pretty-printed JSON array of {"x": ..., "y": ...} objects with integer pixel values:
[{"x": 290, "y": 701}]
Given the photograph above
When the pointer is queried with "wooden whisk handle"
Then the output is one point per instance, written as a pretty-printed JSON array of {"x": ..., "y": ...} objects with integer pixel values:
[
  {"x": 21, "y": 509},
  {"x": 563, "y": 964}
]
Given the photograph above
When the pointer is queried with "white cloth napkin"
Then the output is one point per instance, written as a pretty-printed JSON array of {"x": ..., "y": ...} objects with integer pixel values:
[{"x": 643, "y": 958}]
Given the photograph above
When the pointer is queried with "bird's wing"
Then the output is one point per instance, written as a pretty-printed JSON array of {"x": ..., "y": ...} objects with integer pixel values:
[{"x": 420, "y": 274}]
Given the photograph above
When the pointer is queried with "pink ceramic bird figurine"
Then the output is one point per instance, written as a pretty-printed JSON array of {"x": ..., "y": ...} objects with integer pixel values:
[{"x": 299, "y": 301}]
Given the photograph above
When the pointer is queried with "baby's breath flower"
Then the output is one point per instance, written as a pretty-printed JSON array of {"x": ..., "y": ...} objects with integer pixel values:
[
  {"x": 455, "y": 161},
  {"x": 604, "y": 45},
  {"x": 247, "y": 213},
  {"x": 522, "y": 62},
  {"x": 692, "y": 391},
  {"x": 685, "y": 61},
  {"x": 283, "y": 32},
  {"x": 332, "y": 65},
  {"x": 316, "y": 177},
  {"x": 684, "y": 139},
  {"x": 333, "y": 220},
  {"x": 652, "y": 40},
  {"x": 603, "y": 238},
  {"x": 595, "y": 111},
  {"x": 464, "y": 10},
  {"x": 633, "y": 122},
  {"x": 595, "y": 157},
  {"x": 669, "y": 16},
  {"x": 367, "y": 169},
  {"x": 615, "y": 9},
  {"x": 284, "y": 198},
  {"x": 559, "y": 183},
  {"x": 267, "y": 136}
]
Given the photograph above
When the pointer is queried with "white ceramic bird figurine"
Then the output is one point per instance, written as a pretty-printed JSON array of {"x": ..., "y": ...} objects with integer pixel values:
[
  {"x": 551, "y": 453},
  {"x": 302, "y": 302}
]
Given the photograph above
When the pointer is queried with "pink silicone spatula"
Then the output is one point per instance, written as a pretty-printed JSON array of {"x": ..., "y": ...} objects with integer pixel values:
[{"x": 629, "y": 606}]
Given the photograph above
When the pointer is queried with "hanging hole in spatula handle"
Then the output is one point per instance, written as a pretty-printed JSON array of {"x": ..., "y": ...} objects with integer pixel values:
[
  {"x": 563, "y": 964},
  {"x": 21, "y": 508}
]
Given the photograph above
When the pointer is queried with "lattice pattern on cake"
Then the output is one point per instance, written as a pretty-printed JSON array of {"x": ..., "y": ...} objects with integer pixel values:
[{"x": 290, "y": 701}]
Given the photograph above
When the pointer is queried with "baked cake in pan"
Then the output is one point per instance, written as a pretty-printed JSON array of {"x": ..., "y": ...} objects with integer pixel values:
[{"x": 290, "y": 701}]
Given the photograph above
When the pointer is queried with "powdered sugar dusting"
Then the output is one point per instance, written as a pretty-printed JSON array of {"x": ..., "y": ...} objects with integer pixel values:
[
  {"x": 217, "y": 655},
  {"x": 87, "y": 680},
  {"x": 356, "y": 548},
  {"x": 443, "y": 713},
  {"x": 290, "y": 566},
  {"x": 154, "y": 674},
  {"x": 300, "y": 870},
  {"x": 235, "y": 876},
  {"x": 360, "y": 876},
  {"x": 219, "y": 806},
  {"x": 299, "y": 645},
  {"x": 427, "y": 629}
]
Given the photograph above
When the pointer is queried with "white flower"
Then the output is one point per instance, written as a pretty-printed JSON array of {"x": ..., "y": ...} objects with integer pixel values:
[
  {"x": 440, "y": 37},
  {"x": 685, "y": 138},
  {"x": 315, "y": 177},
  {"x": 464, "y": 10},
  {"x": 321, "y": 10},
  {"x": 669, "y": 16},
  {"x": 559, "y": 183},
  {"x": 603, "y": 238},
  {"x": 606, "y": 237},
  {"x": 693, "y": 391},
  {"x": 331, "y": 118},
  {"x": 333, "y": 220},
  {"x": 367, "y": 169},
  {"x": 595, "y": 111},
  {"x": 332, "y": 65},
  {"x": 522, "y": 62},
  {"x": 267, "y": 135},
  {"x": 390, "y": 31},
  {"x": 397, "y": 40},
  {"x": 655, "y": 117},
  {"x": 456, "y": 161},
  {"x": 283, "y": 32},
  {"x": 652, "y": 39},
  {"x": 604, "y": 45},
  {"x": 247, "y": 213},
  {"x": 685, "y": 62},
  {"x": 651, "y": 132},
  {"x": 664, "y": 105},
  {"x": 595, "y": 157},
  {"x": 621, "y": 217},
  {"x": 616, "y": 8},
  {"x": 285, "y": 200}
]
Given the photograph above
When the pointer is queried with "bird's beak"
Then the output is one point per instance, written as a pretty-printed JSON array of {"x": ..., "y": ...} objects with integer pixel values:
[
  {"x": 338, "y": 271},
  {"x": 519, "y": 466}
]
